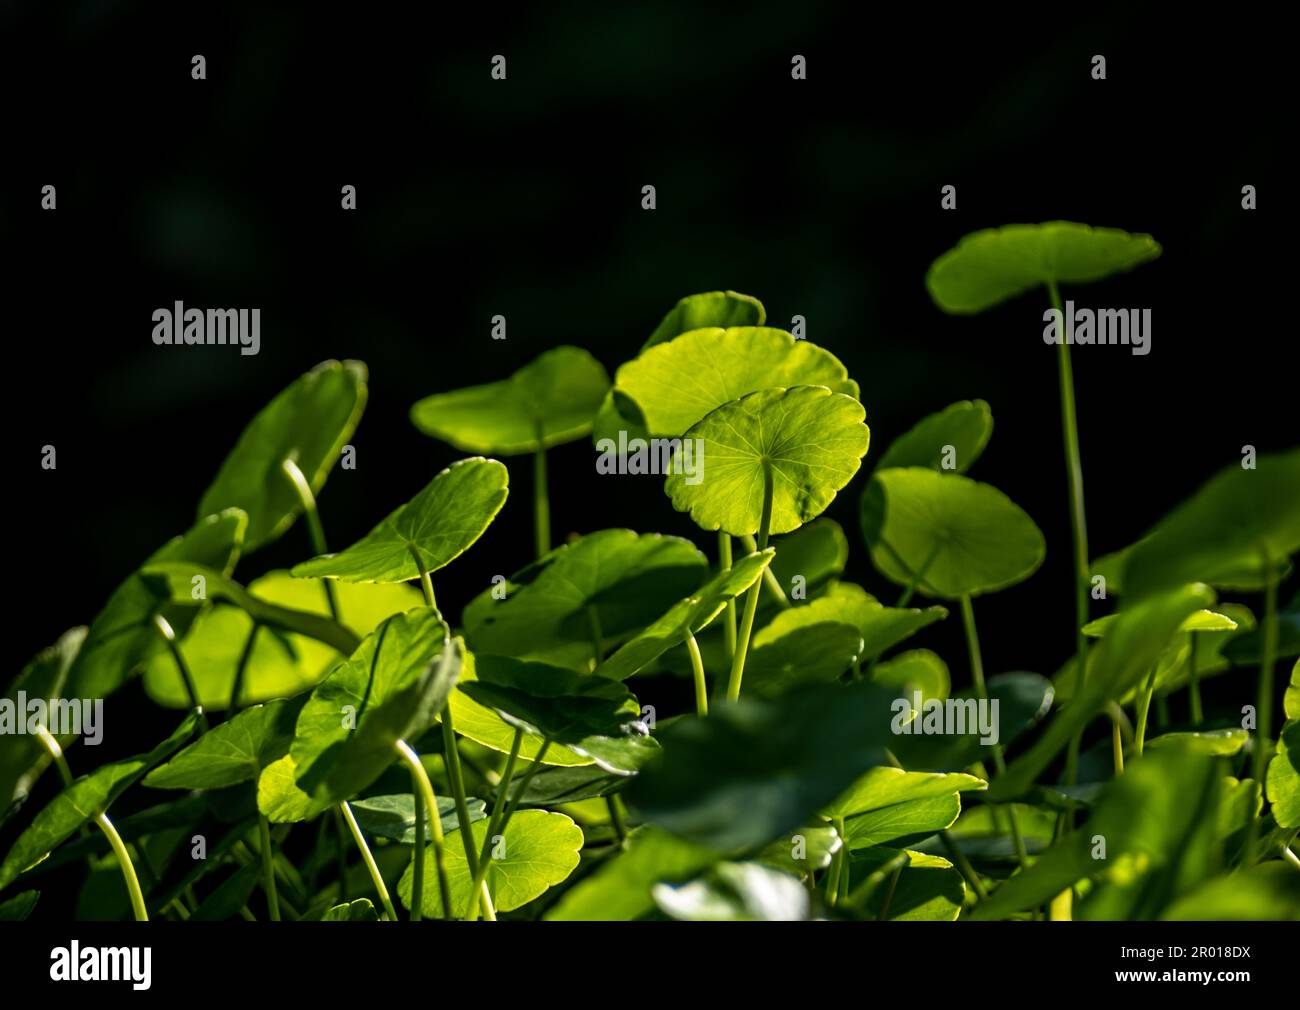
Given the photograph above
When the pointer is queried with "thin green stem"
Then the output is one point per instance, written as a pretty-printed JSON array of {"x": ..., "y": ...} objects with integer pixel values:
[
  {"x": 241, "y": 671},
  {"x": 417, "y": 854},
  {"x": 341, "y": 854},
  {"x": 168, "y": 635},
  {"x": 315, "y": 532},
  {"x": 1143, "y": 708},
  {"x": 616, "y": 819},
  {"x": 541, "y": 504},
  {"x": 1290, "y": 856},
  {"x": 1194, "y": 683},
  {"x": 697, "y": 672},
  {"x": 1078, "y": 522},
  {"x": 977, "y": 675},
  {"x": 501, "y": 818},
  {"x": 456, "y": 776},
  {"x": 376, "y": 877},
  {"x": 769, "y": 577},
  {"x": 128, "y": 868},
  {"x": 751, "y": 600},
  {"x": 1117, "y": 747},
  {"x": 420, "y": 780},
  {"x": 729, "y": 625},
  {"x": 426, "y": 583},
  {"x": 963, "y": 864},
  {"x": 268, "y": 867},
  {"x": 1268, "y": 658}
]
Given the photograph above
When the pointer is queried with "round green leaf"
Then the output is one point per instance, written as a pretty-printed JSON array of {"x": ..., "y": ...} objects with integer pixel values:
[
  {"x": 614, "y": 582},
  {"x": 308, "y": 423},
  {"x": 816, "y": 552},
  {"x": 123, "y": 634},
  {"x": 968, "y": 537},
  {"x": 677, "y": 383},
  {"x": 1235, "y": 528},
  {"x": 991, "y": 266},
  {"x": 914, "y": 670},
  {"x": 550, "y": 401},
  {"x": 619, "y": 412},
  {"x": 963, "y": 427},
  {"x": 439, "y": 524},
  {"x": 811, "y": 439},
  {"x": 540, "y": 850}
]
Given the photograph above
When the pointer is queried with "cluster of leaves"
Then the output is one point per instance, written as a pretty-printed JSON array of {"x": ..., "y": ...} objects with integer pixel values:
[{"x": 503, "y": 764}]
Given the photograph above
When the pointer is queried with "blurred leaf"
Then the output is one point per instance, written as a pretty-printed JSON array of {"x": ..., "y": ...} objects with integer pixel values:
[
  {"x": 1023, "y": 700},
  {"x": 232, "y": 895},
  {"x": 19, "y": 907},
  {"x": 1267, "y": 892},
  {"x": 307, "y": 423},
  {"x": 965, "y": 427},
  {"x": 966, "y": 537},
  {"x": 123, "y": 634},
  {"x": 22, "y": 755},
  {"x": 736, "y": 892},
  {"x": 914, "y": 670},
  {"x": 754, "y": 771},
  {"x": 1283, "y": 777},
  {"x": 883, "y": 787},
  {"x": 620, "y": 889},
  {"x": 988, "y": 267},
  {"x": 1130, "y": 649},
  {"x": 440, "y": 523},
  {"x": 82, "y": 801},
  {"x": 1218, "y": 742},
  {"x": 1227, "y": 533},
  {"x": 816, "y": 551},
  {"x": 551, "y": 400}
]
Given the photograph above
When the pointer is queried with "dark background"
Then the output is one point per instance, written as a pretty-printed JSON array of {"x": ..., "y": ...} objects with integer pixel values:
[{"x": 478, "y": 197}]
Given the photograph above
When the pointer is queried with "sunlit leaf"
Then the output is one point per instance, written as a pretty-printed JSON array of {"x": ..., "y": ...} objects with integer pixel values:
[
  {"x": 236, "y": 751},
  {"x": 439, "y": 524},
  {"x": 551, "y": 400},
  {"x": 811, "y": 439},
  {"x": 308, "y": 424},
  {"x": 991, "y": 266}
]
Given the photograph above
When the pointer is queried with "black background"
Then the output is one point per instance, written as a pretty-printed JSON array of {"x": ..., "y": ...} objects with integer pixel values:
[{"x": 522, "y": 197}]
